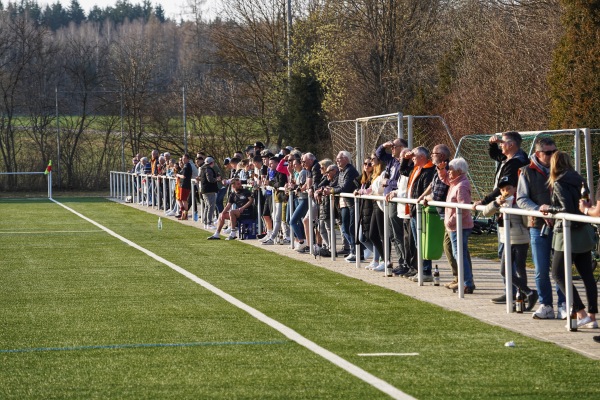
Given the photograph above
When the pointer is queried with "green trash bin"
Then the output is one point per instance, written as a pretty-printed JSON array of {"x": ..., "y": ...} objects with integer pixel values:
[{"x": 432, "y": 236}]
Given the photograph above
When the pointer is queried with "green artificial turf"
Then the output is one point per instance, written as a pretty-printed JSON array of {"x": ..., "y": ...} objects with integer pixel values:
[{"x": 70, "y": 291}]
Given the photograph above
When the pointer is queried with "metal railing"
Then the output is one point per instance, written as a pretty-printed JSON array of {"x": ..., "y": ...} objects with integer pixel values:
[{"x": 123, "y": 184}]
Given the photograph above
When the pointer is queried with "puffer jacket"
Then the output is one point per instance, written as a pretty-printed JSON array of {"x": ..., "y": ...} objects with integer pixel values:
[{"x": 519, "y": 234}]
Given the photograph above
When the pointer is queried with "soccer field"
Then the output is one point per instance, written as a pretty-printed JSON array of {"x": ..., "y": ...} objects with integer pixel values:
[{"x": 112, "y": 307}]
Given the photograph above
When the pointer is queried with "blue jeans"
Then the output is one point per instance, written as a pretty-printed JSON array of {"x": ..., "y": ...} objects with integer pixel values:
[
  {"x": 426, "y": 263},
  {"x": 347, "y": 228},
  {"x": 220, "y": 197},
  {"x": 296, "y": 220},
  {"x": 541, "y": 248},
  {"x": 468, "y": 270}
]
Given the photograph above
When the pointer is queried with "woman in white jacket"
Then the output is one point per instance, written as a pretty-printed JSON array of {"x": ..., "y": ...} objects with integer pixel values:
[{"x": 519, "y": 239}]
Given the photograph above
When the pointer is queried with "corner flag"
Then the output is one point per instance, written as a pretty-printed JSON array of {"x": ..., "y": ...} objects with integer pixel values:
[{"x": 48, "y": 168}]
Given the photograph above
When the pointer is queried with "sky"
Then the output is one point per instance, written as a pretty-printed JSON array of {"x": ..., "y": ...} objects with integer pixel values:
[{"x": 173, "y": 8}]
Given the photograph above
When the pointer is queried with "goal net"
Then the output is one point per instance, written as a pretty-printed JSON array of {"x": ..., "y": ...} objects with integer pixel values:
[
  {"x": 26, "y": 184},
  {"x": 482, "y": 170}
]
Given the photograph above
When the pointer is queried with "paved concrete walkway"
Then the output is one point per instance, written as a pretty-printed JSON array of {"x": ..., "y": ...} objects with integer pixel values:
[{"x": 478, "y": 305}]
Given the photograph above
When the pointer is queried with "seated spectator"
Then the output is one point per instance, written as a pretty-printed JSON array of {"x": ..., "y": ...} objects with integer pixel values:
[{"x": 239, "y": 206}]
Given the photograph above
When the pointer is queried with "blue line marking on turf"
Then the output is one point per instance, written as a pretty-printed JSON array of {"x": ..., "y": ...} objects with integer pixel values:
[{"x": 140, "y": 345}]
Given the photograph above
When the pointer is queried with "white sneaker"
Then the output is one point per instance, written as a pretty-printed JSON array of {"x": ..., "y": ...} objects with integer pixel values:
[
  {"x": 544, "y": 312},
  {"x": 231, "y": 237},
  {"x": 268, "y": 242},
  {"x": 380, "y": 267},
  {"x": 211, "y": 227},
  {"x": 170, "y": 213},
  {"x": 285, "y": 241},
  {"x": 351, "y": 258},
  {"x": 227, "y": 231},
  {"x": 372, "y": 265},
  {"x": 562, "y": 312},
  {"x": 302, "y": 247}
]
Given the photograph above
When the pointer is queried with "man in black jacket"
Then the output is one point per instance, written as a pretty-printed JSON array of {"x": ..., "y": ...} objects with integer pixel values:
[{"x": 346, "y": 183}]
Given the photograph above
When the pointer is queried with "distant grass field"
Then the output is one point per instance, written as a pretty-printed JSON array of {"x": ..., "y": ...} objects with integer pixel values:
[{"x": 85, "y": 315}]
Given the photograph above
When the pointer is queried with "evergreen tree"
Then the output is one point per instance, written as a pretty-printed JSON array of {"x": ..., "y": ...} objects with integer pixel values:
[
  {"x": 96, "y": 14},
  {"x": 159, "y": 12},
  {"x": 575, "y": 74},
  {"x": 302, "y": 122},
  {"x": 75, "y": 12}
]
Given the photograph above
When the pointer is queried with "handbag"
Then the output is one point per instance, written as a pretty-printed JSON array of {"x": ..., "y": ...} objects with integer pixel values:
[{"x": 583, "y": 239}]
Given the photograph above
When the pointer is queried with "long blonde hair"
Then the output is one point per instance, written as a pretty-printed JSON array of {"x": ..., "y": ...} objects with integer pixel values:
[{"x": 559, "y": 164}]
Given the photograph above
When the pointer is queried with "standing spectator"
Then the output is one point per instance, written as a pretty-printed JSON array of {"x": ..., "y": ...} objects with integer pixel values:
[
  {"x": 330, "y": 172},
  {"x": 313, "y": 177},
  {"x": 566, "y": 186},
  {"x": 185, "y": 185},
  {"x": 301, "y": 206},
  {"x": 533, "y": 193},
  {"x": 208, "y": 188},
  {"x": 438, "y": 191},
  {"x": 278, "y": 182},
  {"x": 390, "y": 183},
  {"x": 346, "y": 183},
  {"x": 459, "y": 191},
  {"x": 507, "y": 152},
  {"x": 519, "y": 238},
  {"x": 419, "y": 177}
]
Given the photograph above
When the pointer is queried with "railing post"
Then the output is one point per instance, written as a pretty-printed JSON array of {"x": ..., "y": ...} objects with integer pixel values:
[
  {"x": 508, "y": 263},
  {"x": 386, "y": 231},
  {"x": 290, "y": 212},
  {"x": 356, "y": 229},
  {"x": 568, "y": 266},
  {"x": 459, "y": 254},
  {"x": 311, "y": 238},
  {"x": 419, "y": 244},
  {"x": 332, "y": 244}
]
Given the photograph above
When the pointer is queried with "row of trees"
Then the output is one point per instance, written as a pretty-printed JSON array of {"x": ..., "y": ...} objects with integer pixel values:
[
  {"x": 55, "y": 16},
  {"x": 484, "y": 65}
]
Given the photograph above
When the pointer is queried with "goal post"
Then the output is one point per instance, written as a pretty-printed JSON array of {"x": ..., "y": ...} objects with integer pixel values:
[
  {"x": 365, "y": 134},
  {"x": 49, "y": 175}
]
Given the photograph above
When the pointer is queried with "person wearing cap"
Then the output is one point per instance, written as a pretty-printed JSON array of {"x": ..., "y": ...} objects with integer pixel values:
[
  {"x": 519, "y": 239},
  {"x": 208, "y": 179}
]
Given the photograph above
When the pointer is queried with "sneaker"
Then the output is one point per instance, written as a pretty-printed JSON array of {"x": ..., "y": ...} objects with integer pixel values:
[
  {"x": 227, "y": 231},
  {"x": 211, "y": 227},
  {"x": 231, "y": 237},
  {"x": 380, "y": 267},
  {"x": 214, "y": 237},
  {"x": 170, "y": 213},
  {"x": 590, "y": 325},
  {"x": 532, "y": 298},
  {"x": 302, "y": 247},
  {"x": 284, "y": 241},
  {"x": 351, "y": 258},
  {"x": 562, "y": 312},
  {"x": 411, "y": 272},
  {"x": 426, "y": 278},
  {"x": 581, "y": 323},
  {"x": 372, "y": 265},
  {"x": 268, "y": 242},
  {"x": 499, "y": 299},
  {"x": 544, "y": 312}
]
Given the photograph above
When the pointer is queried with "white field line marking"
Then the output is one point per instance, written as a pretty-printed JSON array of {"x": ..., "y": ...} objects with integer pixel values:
[
  {"x": 386, "y": 354},
  {"x": 286, "y": 331},
  {"x": 45, "y": 232}
]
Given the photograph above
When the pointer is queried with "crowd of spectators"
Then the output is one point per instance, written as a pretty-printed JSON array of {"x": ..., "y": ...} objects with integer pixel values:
[{"x": 290, "y": 188}]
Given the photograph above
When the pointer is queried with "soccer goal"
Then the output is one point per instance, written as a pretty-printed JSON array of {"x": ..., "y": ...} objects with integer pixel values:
[
  {"x": 362, "y": 136},
  {"x": 582, "y": 144},
  {"x": 28, "y": 182}
]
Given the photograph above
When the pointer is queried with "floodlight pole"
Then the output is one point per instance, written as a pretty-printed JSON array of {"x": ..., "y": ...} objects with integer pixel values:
[
  {"x": 57, "y": 136},
  {"x": 185, "y": 144},
  {"x": 289, "y": 40},
  {"x": 122, "y": 135}
]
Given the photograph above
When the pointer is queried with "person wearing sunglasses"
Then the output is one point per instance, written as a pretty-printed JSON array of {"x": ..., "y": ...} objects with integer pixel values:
[{"x": 533, "y": 193}]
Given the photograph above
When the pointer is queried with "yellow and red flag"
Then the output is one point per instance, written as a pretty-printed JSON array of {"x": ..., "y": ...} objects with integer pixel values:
[{"x": 48, "y": 168}]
